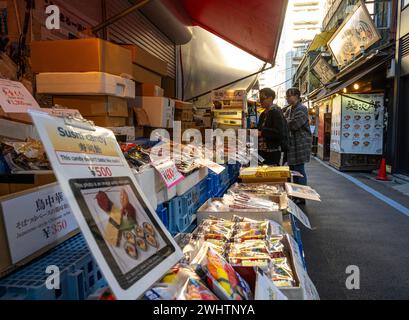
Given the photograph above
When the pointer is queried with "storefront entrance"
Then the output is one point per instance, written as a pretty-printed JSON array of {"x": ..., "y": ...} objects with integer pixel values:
[{"x": 403, "y": 136}]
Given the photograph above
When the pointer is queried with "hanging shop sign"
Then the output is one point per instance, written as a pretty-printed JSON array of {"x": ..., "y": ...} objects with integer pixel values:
[
  {"x": 357, "y": 124},
  {"x": 323, "y": 70},
  {"x": 357, "y": 33},
  {"x": 129, "y": 242}
]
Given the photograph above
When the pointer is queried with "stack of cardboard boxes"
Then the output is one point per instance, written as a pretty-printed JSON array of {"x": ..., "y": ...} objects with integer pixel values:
[
  {"x": 90, "y": 75},
  {"x": 229, "y": 109}
]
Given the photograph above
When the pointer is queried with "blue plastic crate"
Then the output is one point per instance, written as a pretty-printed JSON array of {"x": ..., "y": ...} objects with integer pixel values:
[
  {"x": 219, "y": 183},
  {"x": 297, "y": 237},
  {"x": 79, "y": 275},
  {"x": 162, "y": 213},
  {"x": 234, "y": 171},
  {"x": 181, "y": 209}
]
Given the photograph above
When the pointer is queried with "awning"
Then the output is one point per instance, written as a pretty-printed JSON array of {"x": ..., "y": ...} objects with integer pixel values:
[
  {"x": 321, "y": 40},
  {"x": 253, "y": 26},
  {"x": 350, "y": 81}
]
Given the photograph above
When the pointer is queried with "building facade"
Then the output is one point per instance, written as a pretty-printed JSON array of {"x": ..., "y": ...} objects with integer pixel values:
[
  {"x": 347, "y": 75},
  {"x": 400, "y": 136},
  {"x": 303, "y": 22}
]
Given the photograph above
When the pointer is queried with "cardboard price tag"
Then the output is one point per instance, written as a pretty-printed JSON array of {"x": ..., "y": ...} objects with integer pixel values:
[
  {"x": 14, "y": 97},
  {"x": 298, "y": 213},
  {"x": 169, "y": 173}
]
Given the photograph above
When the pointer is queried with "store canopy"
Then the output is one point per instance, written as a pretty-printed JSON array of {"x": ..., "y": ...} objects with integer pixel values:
[
  {"x": 320, "y": 40},
  {"x": 352, "y": 80},
  {"x": 254, "y": 26}
]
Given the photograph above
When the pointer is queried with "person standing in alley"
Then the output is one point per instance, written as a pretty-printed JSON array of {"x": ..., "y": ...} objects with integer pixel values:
[
  {"x": 300, "y": 137},
  {"x": 272, "y": 125}
]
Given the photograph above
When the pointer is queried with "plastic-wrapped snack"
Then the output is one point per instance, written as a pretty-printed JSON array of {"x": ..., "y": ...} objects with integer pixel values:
[
  {"x": 249, "y": 246},
  {"x": 220, "y": 276},
  {"x": 259, "y": 189},
  {"x": 276, "y": 247},
  {"x": 250, "y": 259},
  {"x": 180, "y": 283},
  {"x": 250, "y": 231},
  {"x": 281, "y": 273},
  {"x": 218, "y": 245}
]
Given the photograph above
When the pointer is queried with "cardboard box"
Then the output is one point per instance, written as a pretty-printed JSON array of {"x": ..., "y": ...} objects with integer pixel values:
[
  {"x": 184, "y": 115},
  {"x": 142, "y": 118},
  {"x": 143, "y": 75},
  {"x": 18, "y": 117},
  {"x": 95, "y": 105},
  {"x": 205, "y": 212},
  {"x": 160, "y": 111},
  {"x": 182, "y": 105},
  {"x": 169, "y": 85},
  {"x": 83, "y": 55},
  {"x": 144, "y": 59},
  {"x": 189, "y": 125},
  {"x": 203, "y": 121},
  {"x": 14, "y": 183},
  {"x": 108, "y": 121},
  {"x": 139, "y": 132},
  {"x": 148, "y": 90},
  {"x": 128, "y": 132},
  {"x": 18, "y": 131}
]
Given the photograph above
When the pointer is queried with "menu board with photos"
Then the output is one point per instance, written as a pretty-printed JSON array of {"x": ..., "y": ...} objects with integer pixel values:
[{"x": 362, "y": 124}]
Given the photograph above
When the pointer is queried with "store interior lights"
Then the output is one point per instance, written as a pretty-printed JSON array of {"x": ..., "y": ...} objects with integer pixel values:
[{"x": 356, "y": 86}]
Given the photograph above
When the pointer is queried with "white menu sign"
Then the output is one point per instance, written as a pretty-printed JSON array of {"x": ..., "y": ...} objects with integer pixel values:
[
  {"x": 129, "y": 242},
  {"x": 362, "y": 124},
  {"x": 36, "y": 220}
]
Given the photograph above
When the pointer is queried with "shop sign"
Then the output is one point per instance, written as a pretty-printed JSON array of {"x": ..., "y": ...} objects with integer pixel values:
[
  {"x": 356, "y": 33},
  {"x": 129, "y": 242},
  {"x": 35, "y": 220},
  {"x": 323, "y": 70},
  {"x": 336, "y": 124}
]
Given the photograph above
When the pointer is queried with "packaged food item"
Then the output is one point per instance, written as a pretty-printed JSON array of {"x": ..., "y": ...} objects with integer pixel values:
[
  {"x": 281, "y": 273},
  {"x": 220, "y": 276},
  {"x": 180, "y": 283},
  {"x": 24, "y": 156}
]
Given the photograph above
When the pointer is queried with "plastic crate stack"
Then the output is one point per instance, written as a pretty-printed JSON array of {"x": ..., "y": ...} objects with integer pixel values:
[{"x": 79, "y": 275}]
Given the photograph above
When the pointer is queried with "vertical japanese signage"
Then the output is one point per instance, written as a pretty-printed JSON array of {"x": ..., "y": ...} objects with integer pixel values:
[
  {"x": 35, "y": 220},
  {"x": 336, "y": 124},
  {"x": 129, "y": 242}
]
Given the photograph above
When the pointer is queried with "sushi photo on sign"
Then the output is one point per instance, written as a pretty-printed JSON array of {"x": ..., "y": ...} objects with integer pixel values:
[{"x": 125, "y": 231}]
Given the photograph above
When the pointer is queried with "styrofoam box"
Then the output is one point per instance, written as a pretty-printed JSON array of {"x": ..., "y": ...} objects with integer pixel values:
[
  {"x": 85, "y": 83},
  {"x": 17, "y": 130},
  {"x": 146, "y": 180},
  {"x": 204, "y": 213},
  {"x": 160, "y": 111},
  {"x": 191, "y": 180}
]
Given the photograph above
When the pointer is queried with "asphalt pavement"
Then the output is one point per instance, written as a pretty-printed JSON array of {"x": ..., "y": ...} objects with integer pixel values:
[{"x": 354, "y": 228}]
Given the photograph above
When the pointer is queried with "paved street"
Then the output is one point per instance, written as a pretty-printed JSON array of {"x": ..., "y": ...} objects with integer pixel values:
[{"x": 352, "y": 227}]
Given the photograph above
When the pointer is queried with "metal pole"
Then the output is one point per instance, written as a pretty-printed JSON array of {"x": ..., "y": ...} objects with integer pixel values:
[{"x": 119, "y": 16}]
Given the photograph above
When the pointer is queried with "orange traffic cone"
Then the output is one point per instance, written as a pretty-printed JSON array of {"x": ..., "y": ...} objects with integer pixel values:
[{"x": 382, "y": 171}]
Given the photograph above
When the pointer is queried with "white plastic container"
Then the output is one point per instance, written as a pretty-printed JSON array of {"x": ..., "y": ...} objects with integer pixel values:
[
  {"x": 191, "y": 180},
  {"x": 85, "y": 83},
  {"x": 160, "y": 111},
  {"x": 146, "y": 180}
]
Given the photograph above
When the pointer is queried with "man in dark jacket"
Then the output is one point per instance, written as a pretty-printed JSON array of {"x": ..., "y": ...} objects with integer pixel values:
[
  {"x": 271, "y": 126},
  {"x": 300, "y": 141}
]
